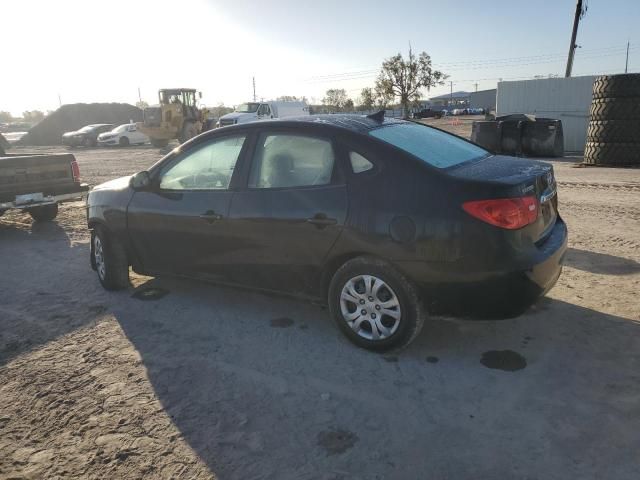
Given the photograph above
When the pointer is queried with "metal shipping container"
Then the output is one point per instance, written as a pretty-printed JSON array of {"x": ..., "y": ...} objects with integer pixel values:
[{"x": 566, "y": 99}]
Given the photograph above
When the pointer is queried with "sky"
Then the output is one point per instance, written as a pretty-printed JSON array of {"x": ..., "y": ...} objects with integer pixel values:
[{"x": 88, "y": 51}]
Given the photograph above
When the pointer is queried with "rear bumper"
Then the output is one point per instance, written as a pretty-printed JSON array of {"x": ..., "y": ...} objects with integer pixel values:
[
  {"x": 500, "y": 294},
  {"x": 78, "y": 193}
]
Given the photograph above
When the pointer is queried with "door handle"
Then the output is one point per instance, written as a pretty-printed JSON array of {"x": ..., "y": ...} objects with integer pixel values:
[
  {"x": 321, "y": 220},
  {"x": 210, "y": 216}
]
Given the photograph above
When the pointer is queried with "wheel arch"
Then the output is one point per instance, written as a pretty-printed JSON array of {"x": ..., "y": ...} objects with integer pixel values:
[{"x": 333, "y": 264}]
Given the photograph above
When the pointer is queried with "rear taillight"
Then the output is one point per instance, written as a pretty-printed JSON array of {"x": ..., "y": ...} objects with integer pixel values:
[
  {"x": 509, "y": 213},
  {"x": 75, "y": 171}
]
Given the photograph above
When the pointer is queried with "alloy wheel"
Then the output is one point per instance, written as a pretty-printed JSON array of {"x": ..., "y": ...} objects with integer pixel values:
[
  {"x": 98, "y": 255},
  {"x": 370, "y": 307}
]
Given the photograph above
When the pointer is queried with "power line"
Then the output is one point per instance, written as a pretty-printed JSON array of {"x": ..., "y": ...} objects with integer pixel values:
[{"x": 478, "y": 64}]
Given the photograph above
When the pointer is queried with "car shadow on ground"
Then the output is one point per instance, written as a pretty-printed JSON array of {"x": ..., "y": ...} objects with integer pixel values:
[
  {"x": 34, "y": 308},
  {"x": 600, "y": 263},
  {"x": 263, "y": 386}
]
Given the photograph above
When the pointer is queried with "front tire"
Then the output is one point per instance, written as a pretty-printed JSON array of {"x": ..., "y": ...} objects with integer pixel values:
[
  {"x": 109, "y": 260},
  {"x": 45, "y": 213},
  {"x": 375, "y": 305},
  {"x": 188, "y": 132},
  {"x": 124, "y": 141}
]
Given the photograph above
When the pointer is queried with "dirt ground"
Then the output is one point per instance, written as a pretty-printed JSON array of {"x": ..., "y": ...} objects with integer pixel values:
[{"x": 178, "y": 379}]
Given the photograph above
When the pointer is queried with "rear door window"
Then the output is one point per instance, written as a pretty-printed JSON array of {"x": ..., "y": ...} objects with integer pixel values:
[{"x": 286, "y": 161}]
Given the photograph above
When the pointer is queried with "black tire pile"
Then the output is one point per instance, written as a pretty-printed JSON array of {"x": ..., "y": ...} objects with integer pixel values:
[{"x": 613, "y": 134}]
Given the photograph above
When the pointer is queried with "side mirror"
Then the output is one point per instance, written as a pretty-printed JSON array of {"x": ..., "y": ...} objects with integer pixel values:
[{"x": 140, "y": 180}]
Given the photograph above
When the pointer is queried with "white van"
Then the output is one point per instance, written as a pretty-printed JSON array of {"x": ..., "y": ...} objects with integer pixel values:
[{"x": 252, "y": 111}]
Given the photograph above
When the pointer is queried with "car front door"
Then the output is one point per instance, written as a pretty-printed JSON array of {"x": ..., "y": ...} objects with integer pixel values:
[
  {"x": 290, "y": 214},
  {"x": 179, "y": 224}
]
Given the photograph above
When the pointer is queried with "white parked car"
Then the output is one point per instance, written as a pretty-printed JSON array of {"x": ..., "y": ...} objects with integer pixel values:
[
  {"x": 252, "y": 111},
  {"x": 123, "y": 135}
]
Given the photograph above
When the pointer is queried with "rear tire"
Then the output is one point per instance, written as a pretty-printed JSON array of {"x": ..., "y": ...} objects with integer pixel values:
[
  {"x": 124, "y": 141},
  {"x": 369, "y": 298},
  {"x": 45, "y": 213},
  {"x": 109, "y": 259},
  {"x": 159, "y": 142}
]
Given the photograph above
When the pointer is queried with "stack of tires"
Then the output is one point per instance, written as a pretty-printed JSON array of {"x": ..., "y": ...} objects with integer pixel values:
[{"x": 613, "y": 134}]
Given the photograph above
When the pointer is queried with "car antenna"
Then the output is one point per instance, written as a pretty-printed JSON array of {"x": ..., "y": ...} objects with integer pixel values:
[{"x": 377, "y": 117}]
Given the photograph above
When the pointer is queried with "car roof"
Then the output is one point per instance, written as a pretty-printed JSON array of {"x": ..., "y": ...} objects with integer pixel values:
[{"x": 352, "y": 122}]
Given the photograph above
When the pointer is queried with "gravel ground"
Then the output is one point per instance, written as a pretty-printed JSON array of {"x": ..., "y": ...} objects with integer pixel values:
[{"x": 178, "y": 379}]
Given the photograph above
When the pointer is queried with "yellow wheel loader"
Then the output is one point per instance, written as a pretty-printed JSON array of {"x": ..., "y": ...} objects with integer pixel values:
[{"x": 176, "y": 117}]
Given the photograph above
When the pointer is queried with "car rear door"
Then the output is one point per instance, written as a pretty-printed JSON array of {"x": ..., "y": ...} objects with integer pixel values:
[
  {"x": 290, "y": 214},
  {"x": 180, "y": 224}
]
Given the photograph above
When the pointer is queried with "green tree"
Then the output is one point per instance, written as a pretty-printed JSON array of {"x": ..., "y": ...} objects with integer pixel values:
[
  {"x": 403, "y": 79},
  {"x": 366, "y": 100},
  {"x": 220, "y": 110},
  {"x": 141, "y": 104},
  {"x": 5, "y": 117},
  {"x": 335, "y": 99}
]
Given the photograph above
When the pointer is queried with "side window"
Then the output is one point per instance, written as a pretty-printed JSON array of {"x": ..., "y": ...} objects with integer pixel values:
[
  {"x": 359, "y": 164},
  {"x": 264, "y": 109},
  {"x": 284, "y": 161},
  {"x": 209, "y": 167}
]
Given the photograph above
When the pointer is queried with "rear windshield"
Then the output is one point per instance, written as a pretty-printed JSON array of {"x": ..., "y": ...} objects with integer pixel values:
[{"x": 433, "y": 146}]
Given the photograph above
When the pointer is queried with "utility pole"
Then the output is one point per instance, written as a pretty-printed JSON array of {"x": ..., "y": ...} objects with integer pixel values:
[
  {"x": 254, "y": 89},
  {"x": 572, "y": 46},
  {"x": 626, "y": 63},
  {"x": 59, "y": 100},
  {"x": 476, "y": 85},
  {"x": 139, "y": 96}
]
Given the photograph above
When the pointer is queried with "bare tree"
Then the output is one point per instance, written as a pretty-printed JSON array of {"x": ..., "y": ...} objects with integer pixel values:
[
  {"x": 383, "y": 97},
  {"x": 366, "y": 99},
  {"x": 336, "y": 99},
  {"x": 404, "y": 78}
]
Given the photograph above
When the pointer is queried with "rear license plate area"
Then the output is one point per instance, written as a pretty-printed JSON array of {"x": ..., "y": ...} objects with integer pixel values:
[{"x": 29, "y": 198}]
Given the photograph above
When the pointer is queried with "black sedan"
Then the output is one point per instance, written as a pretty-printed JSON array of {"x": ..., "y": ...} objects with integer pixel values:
[
  {"x": 379, "y": 218},
  {"x": 86, "y": 136}
]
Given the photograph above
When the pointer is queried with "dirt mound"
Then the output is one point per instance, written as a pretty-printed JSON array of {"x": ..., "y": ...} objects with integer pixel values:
[{"x": 74, "y": 116}]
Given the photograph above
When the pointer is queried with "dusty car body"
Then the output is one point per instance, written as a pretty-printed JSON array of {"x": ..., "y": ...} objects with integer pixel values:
[{"x": 483, "y": 229}]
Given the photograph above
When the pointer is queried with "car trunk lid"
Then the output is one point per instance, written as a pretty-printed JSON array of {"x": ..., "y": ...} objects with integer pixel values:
[{"x": 500, "y": 176}]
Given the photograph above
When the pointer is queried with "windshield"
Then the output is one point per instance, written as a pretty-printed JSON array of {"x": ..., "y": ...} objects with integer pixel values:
[
  {"x": 248, "y": 108},
  {"x": 121, "y": 128},
  {"x": 433, "y": 146},
  {"x": 88, "y": 128}
]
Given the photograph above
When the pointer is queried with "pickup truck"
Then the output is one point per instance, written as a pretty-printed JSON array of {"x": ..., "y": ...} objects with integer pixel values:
[{"x": 37, "y": 183}]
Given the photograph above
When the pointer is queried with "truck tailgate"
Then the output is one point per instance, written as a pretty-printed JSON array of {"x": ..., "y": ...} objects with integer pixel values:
[{"x": 49, "y": 174}]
